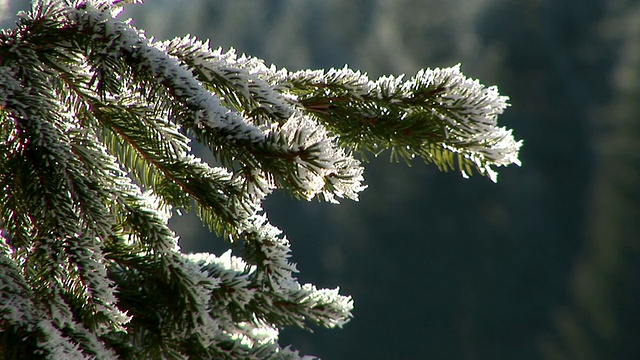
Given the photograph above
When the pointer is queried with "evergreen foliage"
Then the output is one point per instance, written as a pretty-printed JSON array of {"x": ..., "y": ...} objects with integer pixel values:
[{"x": 96, "y": 122}]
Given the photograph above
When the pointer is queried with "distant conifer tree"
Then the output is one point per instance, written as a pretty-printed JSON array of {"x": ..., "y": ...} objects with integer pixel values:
[{"x": 95, "y": 126}]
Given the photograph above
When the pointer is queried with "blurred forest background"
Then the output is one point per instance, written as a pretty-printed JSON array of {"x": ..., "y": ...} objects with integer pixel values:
[{"x": 543, "y": 265}]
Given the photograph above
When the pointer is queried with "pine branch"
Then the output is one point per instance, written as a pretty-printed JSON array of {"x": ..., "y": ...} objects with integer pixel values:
[
  {"x": 238, "y": 81},
  {"x": 302, "y": 148},
  {"x": 436, "y": 115},
  {"x": 274, "y": 296},
  {"x": 95, "y": 127}
]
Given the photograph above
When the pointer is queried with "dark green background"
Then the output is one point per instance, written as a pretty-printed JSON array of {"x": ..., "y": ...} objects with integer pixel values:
[{"x": 543, "y": 265}]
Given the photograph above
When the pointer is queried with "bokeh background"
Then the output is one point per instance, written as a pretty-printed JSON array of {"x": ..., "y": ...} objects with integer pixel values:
[{"x": 543, "y": 265}]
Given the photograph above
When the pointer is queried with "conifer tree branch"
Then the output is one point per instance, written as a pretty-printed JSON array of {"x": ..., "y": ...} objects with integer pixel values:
[
  {"x": 95, "y": 126},
  {"x": 232, "y": 137},
  {"x": 434, "y": 115},
  {"x": 238, "y": 82},
  {"x": 63, "y": 203}
]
